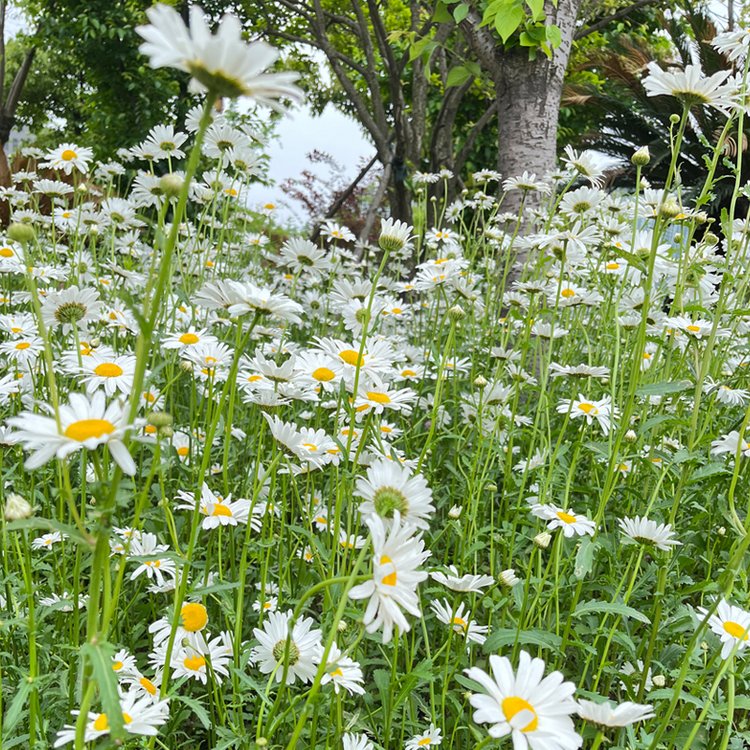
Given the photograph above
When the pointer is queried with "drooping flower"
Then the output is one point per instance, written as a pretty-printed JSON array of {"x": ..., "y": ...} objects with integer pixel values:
[{"x": 222, "y": 62}]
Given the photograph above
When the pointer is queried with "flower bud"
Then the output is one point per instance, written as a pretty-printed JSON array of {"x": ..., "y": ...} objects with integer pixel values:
[
  {"x": 659, "y": 680},
  {"x": 508, "y": 578},
  {"x": 22, "y": 233},
  {"x": 543, "y": 539},
  {"x": 631, "y": 436},
  {"x": 456, "y": 312},
  {"x": 674, "y": 118},
  {"x": 17, "y": 508},
  {"x": 480, "y": 382},
  {"x": 455, "y": 512},
  {"x": 641, "y": 157},
  {"x": 160, "y": 419},
  {"x": 171, "y": 184}
]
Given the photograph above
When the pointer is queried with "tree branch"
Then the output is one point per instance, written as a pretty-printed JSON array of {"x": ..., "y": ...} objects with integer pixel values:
[{"x": 603, "y": 22}]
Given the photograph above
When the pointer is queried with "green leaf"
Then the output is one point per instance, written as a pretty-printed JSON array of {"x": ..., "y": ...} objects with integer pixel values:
[
  {"x": 554, "y": 36},
  {"x": 584, "y": 558},
  {"x": 458, "y": 76},
  {"x": 441, "y": 14},
  {"x": 663, "y": 388},
  {"x": 100, "y": 657},
  {"x": 460, "y": 12},
  {"x": 13, "y": 714},
  {"x": 508, "y": 636},
  {"x": 508, "y": 19},
  {"x": 537, "y": 9},
  {"x": 197, "y": 708},
  {"x": 708, "y": 470},
  {"x": 614, "y": 608}
]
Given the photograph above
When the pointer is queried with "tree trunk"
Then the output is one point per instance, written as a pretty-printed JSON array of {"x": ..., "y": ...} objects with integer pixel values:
[{"x": 528, "y": 101}]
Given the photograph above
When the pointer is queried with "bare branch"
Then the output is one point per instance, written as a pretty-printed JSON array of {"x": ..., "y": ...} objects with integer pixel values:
[{"x": 603, "y": 22}]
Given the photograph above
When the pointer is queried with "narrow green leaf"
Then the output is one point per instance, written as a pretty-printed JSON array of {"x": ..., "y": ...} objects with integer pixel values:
[
  {"x": 197, "y": 708},
  {"x": 100, "y": 657},
  {"x": 507, "y": 637},
  {"x": 612, "y": 608},
  {"x": 13, "y": 714}
]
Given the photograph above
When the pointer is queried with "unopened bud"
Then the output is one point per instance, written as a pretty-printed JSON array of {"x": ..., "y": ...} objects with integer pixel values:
[
  {"x": 160, "y": 419},
  {"x": 669, "y": 209},
  {"x": 659, "y": 680},
  {"x": 631, "y": 436},
  {"x": 641, "y": 157},
  {"x": 543, "y": 539},
  {"x": 722, "y": 530},
  {"x": 455, "y": 512},
  {"x": 456, "y": 312},
  {"x": 674, "y": 118},
  {"x": 508, "y": 578},
  {"x": 22, "y": 233},
  {"x": 170, "y": 185},
  {"x": 17, "y": 508},
  {"x": 491, "y": 487},
  {"x": 342, "y": 626},
  {"x": 480, "y": 382}
]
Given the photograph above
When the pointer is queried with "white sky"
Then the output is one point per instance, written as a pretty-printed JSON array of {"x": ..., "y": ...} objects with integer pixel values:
[{"x": 298, "y": 133}]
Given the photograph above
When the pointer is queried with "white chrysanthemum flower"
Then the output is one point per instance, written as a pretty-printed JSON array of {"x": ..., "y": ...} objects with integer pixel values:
[
  {"x": 301, "y": 647},
  {"x": 602, "y": 412},
  {"x": 621, "y": 715},
  {"x": 397, "y": 554},
  {"x": 218, "y": 511},
  {"x": 140, "y": 715},
  {"x": 351, "y": 741},
  {"x": 431, "y": 738},
  {"x": 459, "y": 620},
  {"x": 113, "y": 374},
  {"x": 343, "y": 672},
  {"x": 731, "y": 624},
  {"x": 690, "y": 86},
  {"x": 67, "y": 157},
  {"x": 389, "y": 488},
  {"x": 469, "y": 583},
  {"x": 84, "y": 423},
  {"x": 731, "y": 444},
  {"x": 645, "y": 531},
  {"x": 571, "y": 523},
  {"x": 222, "y": 62},
  {"x": 71, "y": 307},
  {"x": 535, "y": 710}
]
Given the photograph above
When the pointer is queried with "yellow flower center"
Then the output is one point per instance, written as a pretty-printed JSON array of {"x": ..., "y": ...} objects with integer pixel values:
[
  {"x": 68, "y": 155},
  {"x": 194, "y": 617},
  {"x": 221, "y": 510},
  {"x": 568, "y": 293},
  {"x": 23, "y": 345},
  {"x": 424, "y": 742},
  {"x": 460, "y": 622},
  {"x": 183, "y": 450},
  {"x": 566, "y": 517},
  {"x": 408, "y": 373},
  {"x": 101, "y": 724},
  {"x": 147, "y": 685},
  {"x": 390, "y": 579},
  {"x": 108, "y": 370},
  {"x": 189, "y": 338},
  {"x": 194, "y": 663},
  {"x": 693, "y": 328},
  {"x": 379, "y": 398},
  {"x": 117, "y": 666},
  {"x": 336, "y": 672},
  {"x": 351, "y": 357},
  {"x": 324, "y": 374},
  {"x": 612, "y": 266},
  {"x": 513, "y": 705},
  {"x": 311, "y": 447},
  {"x": 6, "y": 252},
  {"x": 84, "y": 429},
  {"x": 587, "y": 408},
  {"x": 736, "y": 630}
]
